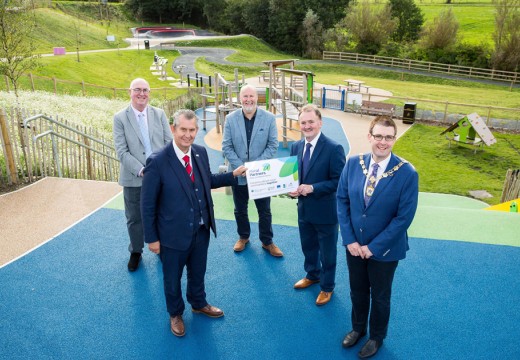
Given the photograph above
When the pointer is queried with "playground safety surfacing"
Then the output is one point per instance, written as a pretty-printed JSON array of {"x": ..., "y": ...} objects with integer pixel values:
[{"x": 453, "y": 298}]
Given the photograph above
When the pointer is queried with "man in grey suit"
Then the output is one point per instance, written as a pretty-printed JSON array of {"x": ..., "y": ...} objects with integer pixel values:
[
  {"x": 250, "y": 134},
  {"x": 139, "y": 130}
]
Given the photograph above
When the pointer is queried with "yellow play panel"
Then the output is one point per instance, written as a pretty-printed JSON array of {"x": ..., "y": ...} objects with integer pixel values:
[{"x": 505, "y": 206}]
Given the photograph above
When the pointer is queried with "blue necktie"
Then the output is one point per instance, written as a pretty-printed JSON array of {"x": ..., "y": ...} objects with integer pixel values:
[
  {"x": 371, "y": 184},
  {"x": 144, "y": 131},
  {"x": 306, "y": 159}
]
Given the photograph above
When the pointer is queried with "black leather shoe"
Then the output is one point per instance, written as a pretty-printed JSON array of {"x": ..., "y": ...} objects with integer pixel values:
[
  {"x": 133, "y": 263},
  {"x": 352, "y": 338},
  {"x": 369, "y": 349}
]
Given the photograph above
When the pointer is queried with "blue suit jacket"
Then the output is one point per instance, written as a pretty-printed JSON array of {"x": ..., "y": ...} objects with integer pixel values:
[
  {"x": 166, "y": 201},
  {"x": 383, "y": 224},
  {"x": 327, "y": 162},
  {"x": 264, "y": 139}
]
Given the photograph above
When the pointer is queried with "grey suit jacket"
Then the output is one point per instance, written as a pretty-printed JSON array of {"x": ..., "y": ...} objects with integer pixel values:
[
  {"x": 129, "y": 141},
  {"x": 264, "y": 139}
]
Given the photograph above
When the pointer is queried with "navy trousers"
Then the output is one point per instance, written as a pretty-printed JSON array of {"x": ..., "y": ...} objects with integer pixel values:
[
  {"x": 319, "y": 246},
  {"x": 370, "y": 291},
  {"x": 195, "y": 260},
  {"x": 263, "y": 206}
]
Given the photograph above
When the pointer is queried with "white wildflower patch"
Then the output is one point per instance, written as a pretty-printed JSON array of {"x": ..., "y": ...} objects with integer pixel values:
[{"x": 95, "y": 112}]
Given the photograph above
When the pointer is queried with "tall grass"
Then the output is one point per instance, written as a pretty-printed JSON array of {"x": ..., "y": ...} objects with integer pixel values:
[{"x": 457, "y": 169}]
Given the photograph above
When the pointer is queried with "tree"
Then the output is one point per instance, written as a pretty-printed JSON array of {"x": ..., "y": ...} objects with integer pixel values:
[
  {"x": 441, "y": 33},
  {"x": 255, "y": 13},
  {"x": 409, "y": 20},
  {"x": 330, "y": 12},
  {"x": 285, "y": 23},
  {"x": 213, "y": 12},
  {"x": 370, "y": 27},
  {"x": 312, "y": 36},
  {"x": 507, "y": 35},
  {"x": 337, "y": 38},
  {"x": 16, "y": 42}
]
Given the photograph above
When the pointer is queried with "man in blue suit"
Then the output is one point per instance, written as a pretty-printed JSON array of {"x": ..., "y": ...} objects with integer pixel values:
[
  {"x": 320, "y": 162},
  {"x": 250, "y": 134},
  {"x": 377, "y": 200},
  {"x": 139, "y": 129},
  {"x": 177, "y": 211}
]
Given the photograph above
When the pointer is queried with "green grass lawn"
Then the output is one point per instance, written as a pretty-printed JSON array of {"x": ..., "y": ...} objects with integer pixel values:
[
  {"x": 476, "y": 20},
  {"x": 457, "y": 169},
  {"x": 249, "y": 49},
  {"x": 57, "y": 29}
]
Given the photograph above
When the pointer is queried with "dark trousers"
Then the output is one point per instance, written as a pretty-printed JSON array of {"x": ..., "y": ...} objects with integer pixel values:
[
  {"x": 263, "y": 206},
  {"x": 370, "y": 280},
  {"x": 173, "y": 263},
  {"x": 319, "y": 246},
  {"x": 132, "y": 197}
]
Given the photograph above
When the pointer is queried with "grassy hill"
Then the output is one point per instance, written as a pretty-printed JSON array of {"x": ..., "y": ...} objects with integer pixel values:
[
  {"x": 71, "y": 24},
  {"x": 445, "y": 171}
]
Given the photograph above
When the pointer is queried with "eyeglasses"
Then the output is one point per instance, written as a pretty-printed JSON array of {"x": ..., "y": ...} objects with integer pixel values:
[
  {"x": 139, "y": 90},
  {"x": 379, "y": 137}
]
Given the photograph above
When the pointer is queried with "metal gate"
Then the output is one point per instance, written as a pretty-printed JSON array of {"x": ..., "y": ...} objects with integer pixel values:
[{"x": 333, "y": 99}]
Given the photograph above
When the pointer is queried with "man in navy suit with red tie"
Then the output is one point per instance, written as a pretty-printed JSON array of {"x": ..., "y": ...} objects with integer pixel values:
[
  {"x": 177, "y": 211},
  {"x": 377, "y": 200},
  {"x": 320, "y": 161}
]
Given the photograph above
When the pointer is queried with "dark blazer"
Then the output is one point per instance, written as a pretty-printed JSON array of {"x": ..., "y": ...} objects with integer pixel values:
[
  {"x": 327, "y": 162},
  {"x": 383, "y": 224},
  {"x": 166, "y": 201}
]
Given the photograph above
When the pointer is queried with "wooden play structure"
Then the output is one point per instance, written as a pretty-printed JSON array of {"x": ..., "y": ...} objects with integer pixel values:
[
  {"x": 471, "y": 130},
  {"x": 224, "y": 96},
  {"x": 288, "y": 91}
]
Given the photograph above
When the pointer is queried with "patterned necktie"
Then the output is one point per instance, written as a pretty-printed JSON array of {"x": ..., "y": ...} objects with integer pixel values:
[
  {"x": 187, "y": 165},
  {"x": 306, "y": 159},
  {"x": 371, "y": 184},
  {"x": 144, "y": 131}
]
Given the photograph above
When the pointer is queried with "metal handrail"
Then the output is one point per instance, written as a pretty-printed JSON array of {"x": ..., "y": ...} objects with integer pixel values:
[
  {"x": 36, "y": 117},
  {"x": 54, "y": 134}
]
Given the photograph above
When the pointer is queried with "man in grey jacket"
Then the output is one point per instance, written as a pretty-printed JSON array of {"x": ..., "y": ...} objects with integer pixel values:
[
  {"x": 250, "y": 134},
  {"x": 139, "y": 130}
]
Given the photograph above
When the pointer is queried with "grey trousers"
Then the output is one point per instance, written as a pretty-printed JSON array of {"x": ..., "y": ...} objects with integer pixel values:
[{"x": 132, "y": 196}]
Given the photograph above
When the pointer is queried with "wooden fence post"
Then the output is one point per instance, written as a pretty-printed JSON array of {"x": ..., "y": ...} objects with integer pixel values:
[
  {"x": 32, "y": 81},
  {"x": 8, "y": 147}
]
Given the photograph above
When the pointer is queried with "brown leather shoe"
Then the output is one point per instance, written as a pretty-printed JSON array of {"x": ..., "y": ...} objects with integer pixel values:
[
  {"x": 209, "y": 310},
  {"x": 273, "y": 250},
  {"x": 323, "y": 297},
  {"x": 305, "y": 283},
  {"x": 177, "y": 325},
  {"x": 240, "y": 245}
]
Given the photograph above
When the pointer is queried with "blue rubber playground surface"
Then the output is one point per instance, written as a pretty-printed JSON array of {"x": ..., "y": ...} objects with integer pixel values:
[{"x": 456, "y": 296}]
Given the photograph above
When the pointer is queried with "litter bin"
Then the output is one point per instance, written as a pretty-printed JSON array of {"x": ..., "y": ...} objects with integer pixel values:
[
  {"x": 147, "y": 44},
  {"x": 409, "y": 109}
]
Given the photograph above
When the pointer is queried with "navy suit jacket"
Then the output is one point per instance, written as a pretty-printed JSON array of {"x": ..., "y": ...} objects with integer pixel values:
[
  {"x": 326, "y": 164},
  {"x": 166, "y": 197},
  {"x": 383, "y": 224}
]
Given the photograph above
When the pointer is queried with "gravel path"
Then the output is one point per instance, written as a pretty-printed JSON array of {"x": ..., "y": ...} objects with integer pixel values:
[{"x": 37, "y": 213}]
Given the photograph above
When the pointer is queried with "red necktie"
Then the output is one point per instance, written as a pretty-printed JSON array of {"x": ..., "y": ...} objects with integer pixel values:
[{"x": 187, "y": 165}]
